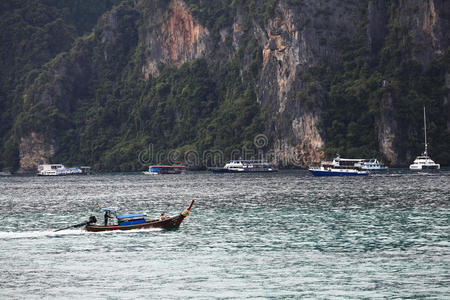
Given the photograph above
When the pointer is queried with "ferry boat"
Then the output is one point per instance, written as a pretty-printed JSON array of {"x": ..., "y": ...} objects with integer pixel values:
[
  {"x": 246, "y": 166},
  {"x": 61, "y": 170},
  {"x": 164, "y": 169},
  {"x": 365, "y": 164},
  {"x": 338, "y": 167},
  {"x": 424, "y": 161}
]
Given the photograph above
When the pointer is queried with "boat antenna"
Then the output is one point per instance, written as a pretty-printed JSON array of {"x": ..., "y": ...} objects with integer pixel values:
[{"x": 425, "y": 129}]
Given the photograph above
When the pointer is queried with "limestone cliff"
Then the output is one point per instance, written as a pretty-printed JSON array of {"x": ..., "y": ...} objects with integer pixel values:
[
  {"x": 296, "y": 39},
  {"x": 35, "y": 150},
  {"x": 426, "y": 35},
  {"x": 178, "y": 38}
]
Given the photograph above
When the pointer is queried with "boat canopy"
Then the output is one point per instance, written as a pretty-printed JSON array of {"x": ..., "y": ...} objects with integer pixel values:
[
  {"x": 131, "y": 216},
  {"x": 110, "y": 209}
]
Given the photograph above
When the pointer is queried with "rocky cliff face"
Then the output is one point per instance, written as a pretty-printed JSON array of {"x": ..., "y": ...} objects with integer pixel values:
[
  {"x": 177, "y": 39},
  {"x": 293, "y": 40},
  {"x": 425, "y": 25},
  {"x": 286, "y": 51},
  {"x": 35, "y": 150},
  {"x": 446, "y": 101},
  {"x": 296, "y": 39},
  {"x": 429, "y": 28},
  {"x": 387, "y": 129},
  {"x": 51, "y": 99}
]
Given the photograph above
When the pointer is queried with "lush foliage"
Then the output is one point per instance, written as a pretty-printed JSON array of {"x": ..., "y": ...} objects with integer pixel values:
[
  {"x": 114, "y": 119},
  {"x": 33, "y": 33},
  {"x": 361, "y": 85}
]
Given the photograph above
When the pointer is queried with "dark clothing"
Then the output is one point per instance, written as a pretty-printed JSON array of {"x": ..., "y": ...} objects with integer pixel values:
[
  {"x": 92, "y": 220},
  {"x": 106, "y": 218}
]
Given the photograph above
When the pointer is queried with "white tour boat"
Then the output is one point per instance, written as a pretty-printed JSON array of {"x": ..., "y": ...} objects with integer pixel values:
[
  {"x": 246, "y": 166},
  {"x": 58, "y": 170},
  {"x": 371, "y": 164},
  {"x": 338, "y": 167},
  {"x": 365, "y": 164}
]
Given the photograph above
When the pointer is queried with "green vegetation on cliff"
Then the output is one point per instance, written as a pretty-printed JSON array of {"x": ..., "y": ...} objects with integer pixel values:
[
  {"x": 32, "y": 34},
  {"x": 72, "y": 71},
  {"x": 364, "y": 85},
  {"x": 112, "y": 115}
]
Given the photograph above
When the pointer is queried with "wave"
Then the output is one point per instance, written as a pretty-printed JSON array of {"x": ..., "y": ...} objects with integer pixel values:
[
  {"x": 8, "y": 235},
  {"x": 38, "y": 234}
]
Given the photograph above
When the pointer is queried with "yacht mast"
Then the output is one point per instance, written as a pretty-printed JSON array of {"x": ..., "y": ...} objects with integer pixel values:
[{"x": 425, "y": 129}]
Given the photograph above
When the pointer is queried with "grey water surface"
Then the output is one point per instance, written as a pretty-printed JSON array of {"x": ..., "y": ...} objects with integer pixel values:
[{"x": 280, "y": 236}]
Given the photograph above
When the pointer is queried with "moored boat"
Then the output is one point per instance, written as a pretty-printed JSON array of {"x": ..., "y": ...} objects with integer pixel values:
[
  {"x": 365, "y": 164},
  {"x": 52, "y": 170},
  {"x": 164, "y": 169},
  {"x": 424, "y": 161},
  {"x": 371, "y": 164},
  {"x": 61, "y": 170},
  {"x": 246, "y": 166},
  {"x": 138, "y": 221},
  {"x": 337, "y": 167}
]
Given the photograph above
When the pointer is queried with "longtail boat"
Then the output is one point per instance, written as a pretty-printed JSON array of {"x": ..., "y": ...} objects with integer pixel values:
[
  {"x": 138, "y": 221},
  {"x": 134, "y": 221}
]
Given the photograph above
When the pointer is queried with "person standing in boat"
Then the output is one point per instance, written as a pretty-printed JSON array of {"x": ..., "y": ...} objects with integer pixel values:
[{"x": 107, "y": 216}]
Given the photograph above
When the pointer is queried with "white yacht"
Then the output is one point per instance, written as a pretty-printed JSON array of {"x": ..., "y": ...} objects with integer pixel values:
[{"x": 424, "y": 161}]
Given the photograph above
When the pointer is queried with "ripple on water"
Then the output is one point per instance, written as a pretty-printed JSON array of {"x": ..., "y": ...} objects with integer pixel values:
[{"x": 284, "y": 235}]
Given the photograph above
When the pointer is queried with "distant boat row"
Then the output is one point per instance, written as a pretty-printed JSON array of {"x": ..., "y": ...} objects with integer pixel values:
[
  {"x": 234, "y": 166},
  {"x": 362, "y": 167},
  {"x": 338, "y": 167}
]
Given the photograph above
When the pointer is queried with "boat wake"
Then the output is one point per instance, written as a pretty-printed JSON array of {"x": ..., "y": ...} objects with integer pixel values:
[
  {"x": 10, "y": 235},
  {"x": 424, "y": 173},
  {"x": 37, "y": 234}
]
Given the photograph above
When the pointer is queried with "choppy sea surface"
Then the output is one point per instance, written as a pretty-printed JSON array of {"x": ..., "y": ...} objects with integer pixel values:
[{"x": 287, "y": 235}]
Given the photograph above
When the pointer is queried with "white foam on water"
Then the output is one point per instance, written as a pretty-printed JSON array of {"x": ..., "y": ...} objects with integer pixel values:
[
  {"x": 38, "y": 234},
  {"x": 49, "y": 233}
]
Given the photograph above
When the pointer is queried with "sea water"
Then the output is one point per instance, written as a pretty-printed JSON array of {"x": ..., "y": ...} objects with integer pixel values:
[{"x": 249, "y": 236}]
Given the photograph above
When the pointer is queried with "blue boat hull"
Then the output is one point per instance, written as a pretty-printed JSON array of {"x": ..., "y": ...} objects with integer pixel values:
[{"x": 330, "y": 173}]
